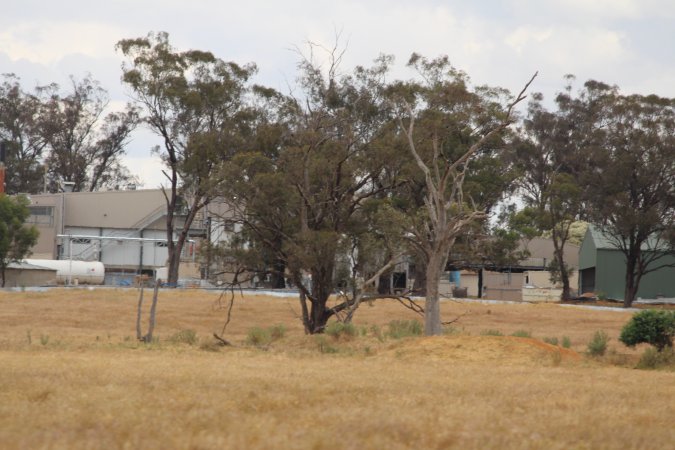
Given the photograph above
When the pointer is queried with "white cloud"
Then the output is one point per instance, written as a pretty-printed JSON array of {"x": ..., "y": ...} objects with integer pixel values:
[
  {"x": 47, "y": 42},
  {"x": 147, "y": 169}
]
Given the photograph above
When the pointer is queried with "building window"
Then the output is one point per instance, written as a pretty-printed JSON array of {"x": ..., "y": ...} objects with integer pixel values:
[{"x": 41, "y": 215}]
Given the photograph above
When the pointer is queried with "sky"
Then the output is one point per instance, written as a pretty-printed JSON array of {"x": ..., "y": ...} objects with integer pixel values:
[{"x": 629, "y": 43}]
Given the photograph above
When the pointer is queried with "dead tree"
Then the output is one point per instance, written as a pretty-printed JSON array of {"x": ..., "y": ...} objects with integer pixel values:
[{"x": 147, "y": 338}]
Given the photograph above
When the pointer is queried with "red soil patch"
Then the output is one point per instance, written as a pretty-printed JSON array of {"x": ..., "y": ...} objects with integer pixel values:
[{"x": 502, "y": 349}]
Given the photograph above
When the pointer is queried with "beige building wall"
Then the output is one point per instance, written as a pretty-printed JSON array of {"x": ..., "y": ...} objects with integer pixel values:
[{"x": 29, "y": 277}]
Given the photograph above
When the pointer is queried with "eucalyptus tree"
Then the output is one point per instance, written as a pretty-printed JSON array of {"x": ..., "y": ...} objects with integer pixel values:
[
  {"x": 314, "y": 199},
  {"x": 631, "y": 189},
  {"x": 19, "y": 130},
  {"x": 553, "y": 156},
  {"x": 445, "y": 123},
  {"x": 196, "y": 103},
  {"x": 84, "y": 144}
]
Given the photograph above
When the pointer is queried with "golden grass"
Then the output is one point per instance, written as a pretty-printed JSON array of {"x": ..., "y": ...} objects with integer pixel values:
[{"x": 83, "y": 381}]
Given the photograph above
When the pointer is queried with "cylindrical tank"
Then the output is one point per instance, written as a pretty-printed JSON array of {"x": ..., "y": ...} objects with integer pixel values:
[{"x": 79, "y": 272}]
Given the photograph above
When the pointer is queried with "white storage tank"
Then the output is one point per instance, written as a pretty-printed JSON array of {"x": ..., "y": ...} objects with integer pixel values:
[{"x": 78, "y": 272}]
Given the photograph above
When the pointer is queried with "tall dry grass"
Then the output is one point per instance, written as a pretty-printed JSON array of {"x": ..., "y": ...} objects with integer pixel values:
[{"x": 90, "y": 385}]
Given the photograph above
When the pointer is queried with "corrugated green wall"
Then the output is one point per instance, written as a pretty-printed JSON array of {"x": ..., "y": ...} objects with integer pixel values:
[
  {"x": 587, "y": 253},
  {"x": 610, "y": 273}
]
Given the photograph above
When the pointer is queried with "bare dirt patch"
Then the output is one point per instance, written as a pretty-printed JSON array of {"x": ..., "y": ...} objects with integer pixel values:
[{"x": 502, "y": 349}]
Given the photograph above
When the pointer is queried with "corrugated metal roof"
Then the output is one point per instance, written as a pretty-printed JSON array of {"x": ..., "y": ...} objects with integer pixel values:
[{"x": 604, "y": 241}]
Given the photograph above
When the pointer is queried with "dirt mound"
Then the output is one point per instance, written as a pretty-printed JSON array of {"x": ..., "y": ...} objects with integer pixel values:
[{"x": 502, "y": 349}]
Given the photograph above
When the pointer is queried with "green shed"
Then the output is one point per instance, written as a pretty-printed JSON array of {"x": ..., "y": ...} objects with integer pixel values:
[{"x": 602, "y": 269}]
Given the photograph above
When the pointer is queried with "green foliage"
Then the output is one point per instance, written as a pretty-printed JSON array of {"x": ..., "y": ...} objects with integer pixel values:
[
  {"x": 341, "y": 330},
  {"x": 650, "y": 326},
  {"x": 398, "y": 329},
  {"x": 654, "y": 359},
  {"x": 16, "y": 239},
  {"x": 598, "y": 344},
  {"x": 277, "y": 331},
  {"x": 188, "y": 337},
  {"x": 491, "y": 332},
  {"x": 377, "y": 332},
  {"x": 259, "y": 337},
  {"x": 566, "y": 342},
  {"x": 44, "y": 339},
  {"x": 551, "y": 340},
  {"x": 324, "y": 346},
  {"x": 522, "y": 333},
  {"x": 262, "y": 337}
]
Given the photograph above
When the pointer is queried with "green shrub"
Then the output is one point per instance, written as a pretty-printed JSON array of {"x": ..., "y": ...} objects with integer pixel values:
[
  {"x": 551, "y": 340},
  {"x": 598, "y": 344},
  {"x": 339, "y": 330},
  {"x": 277, "y": 331},
  {"x": 44, "y": 339},
  {"x": 522, "y": 333},
  {"x": 404, "y": 328},
  {"x": 324, "y": 346},
  {"x": 566, "y": 342},
  {"x": 377, "y": 332},
  {"x": 652, "y": 327},
  {"x": 188, "y": 337},
  {"x": 654, "y": 359},
  {"x": 491, "y": 333},
  {"x": 259, "y": 337}
]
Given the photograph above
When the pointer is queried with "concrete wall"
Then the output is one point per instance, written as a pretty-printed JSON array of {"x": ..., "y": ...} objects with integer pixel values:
[
  {"x": 29, "y": 277},
  {"x": 502, "y": 286},
  {"x": 541, "y": 294}
]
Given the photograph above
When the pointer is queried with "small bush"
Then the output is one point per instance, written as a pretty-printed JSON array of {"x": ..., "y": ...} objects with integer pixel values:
[
  {"x": 277, "y": 331},
  {"x": 598, "y": 344},
  {"x": 522, "y": 333},
  {"x": 551, "y": 340},
  {"x": 404, "y": 328},
  {"x": 44, "y": 339},
  {"x": 324, "y": 346},
  {"x": 653, "y": 327},
  {"x": 339, "y": 330},
  {"x": 259, "y": 337},
  {"x": 377, "y": 332},
  {"x": 188, "y": 337},
  {"x": 654, "y": 359},
  {"x": 491, "y": 333},
  {"x": 566, "y": 342}
]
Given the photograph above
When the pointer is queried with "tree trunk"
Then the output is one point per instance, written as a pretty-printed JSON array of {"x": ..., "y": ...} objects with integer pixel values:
[
  {"x": 564, "y": 276},
  {"x": 631, "y": 286},
  {"x": 322, "y": 284},
  {"x": 432, "y": 308},
  {"x": 151, "y": 323},
  {"x": 139, "y": 312},
  {"x": 277, "y": 275}
]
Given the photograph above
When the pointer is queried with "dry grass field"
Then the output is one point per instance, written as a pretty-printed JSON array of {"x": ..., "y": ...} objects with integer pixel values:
[{"x": 73, "y": 376}]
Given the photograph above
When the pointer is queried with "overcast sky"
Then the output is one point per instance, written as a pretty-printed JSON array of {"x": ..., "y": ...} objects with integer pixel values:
[{"x": 630, "y": 43}]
